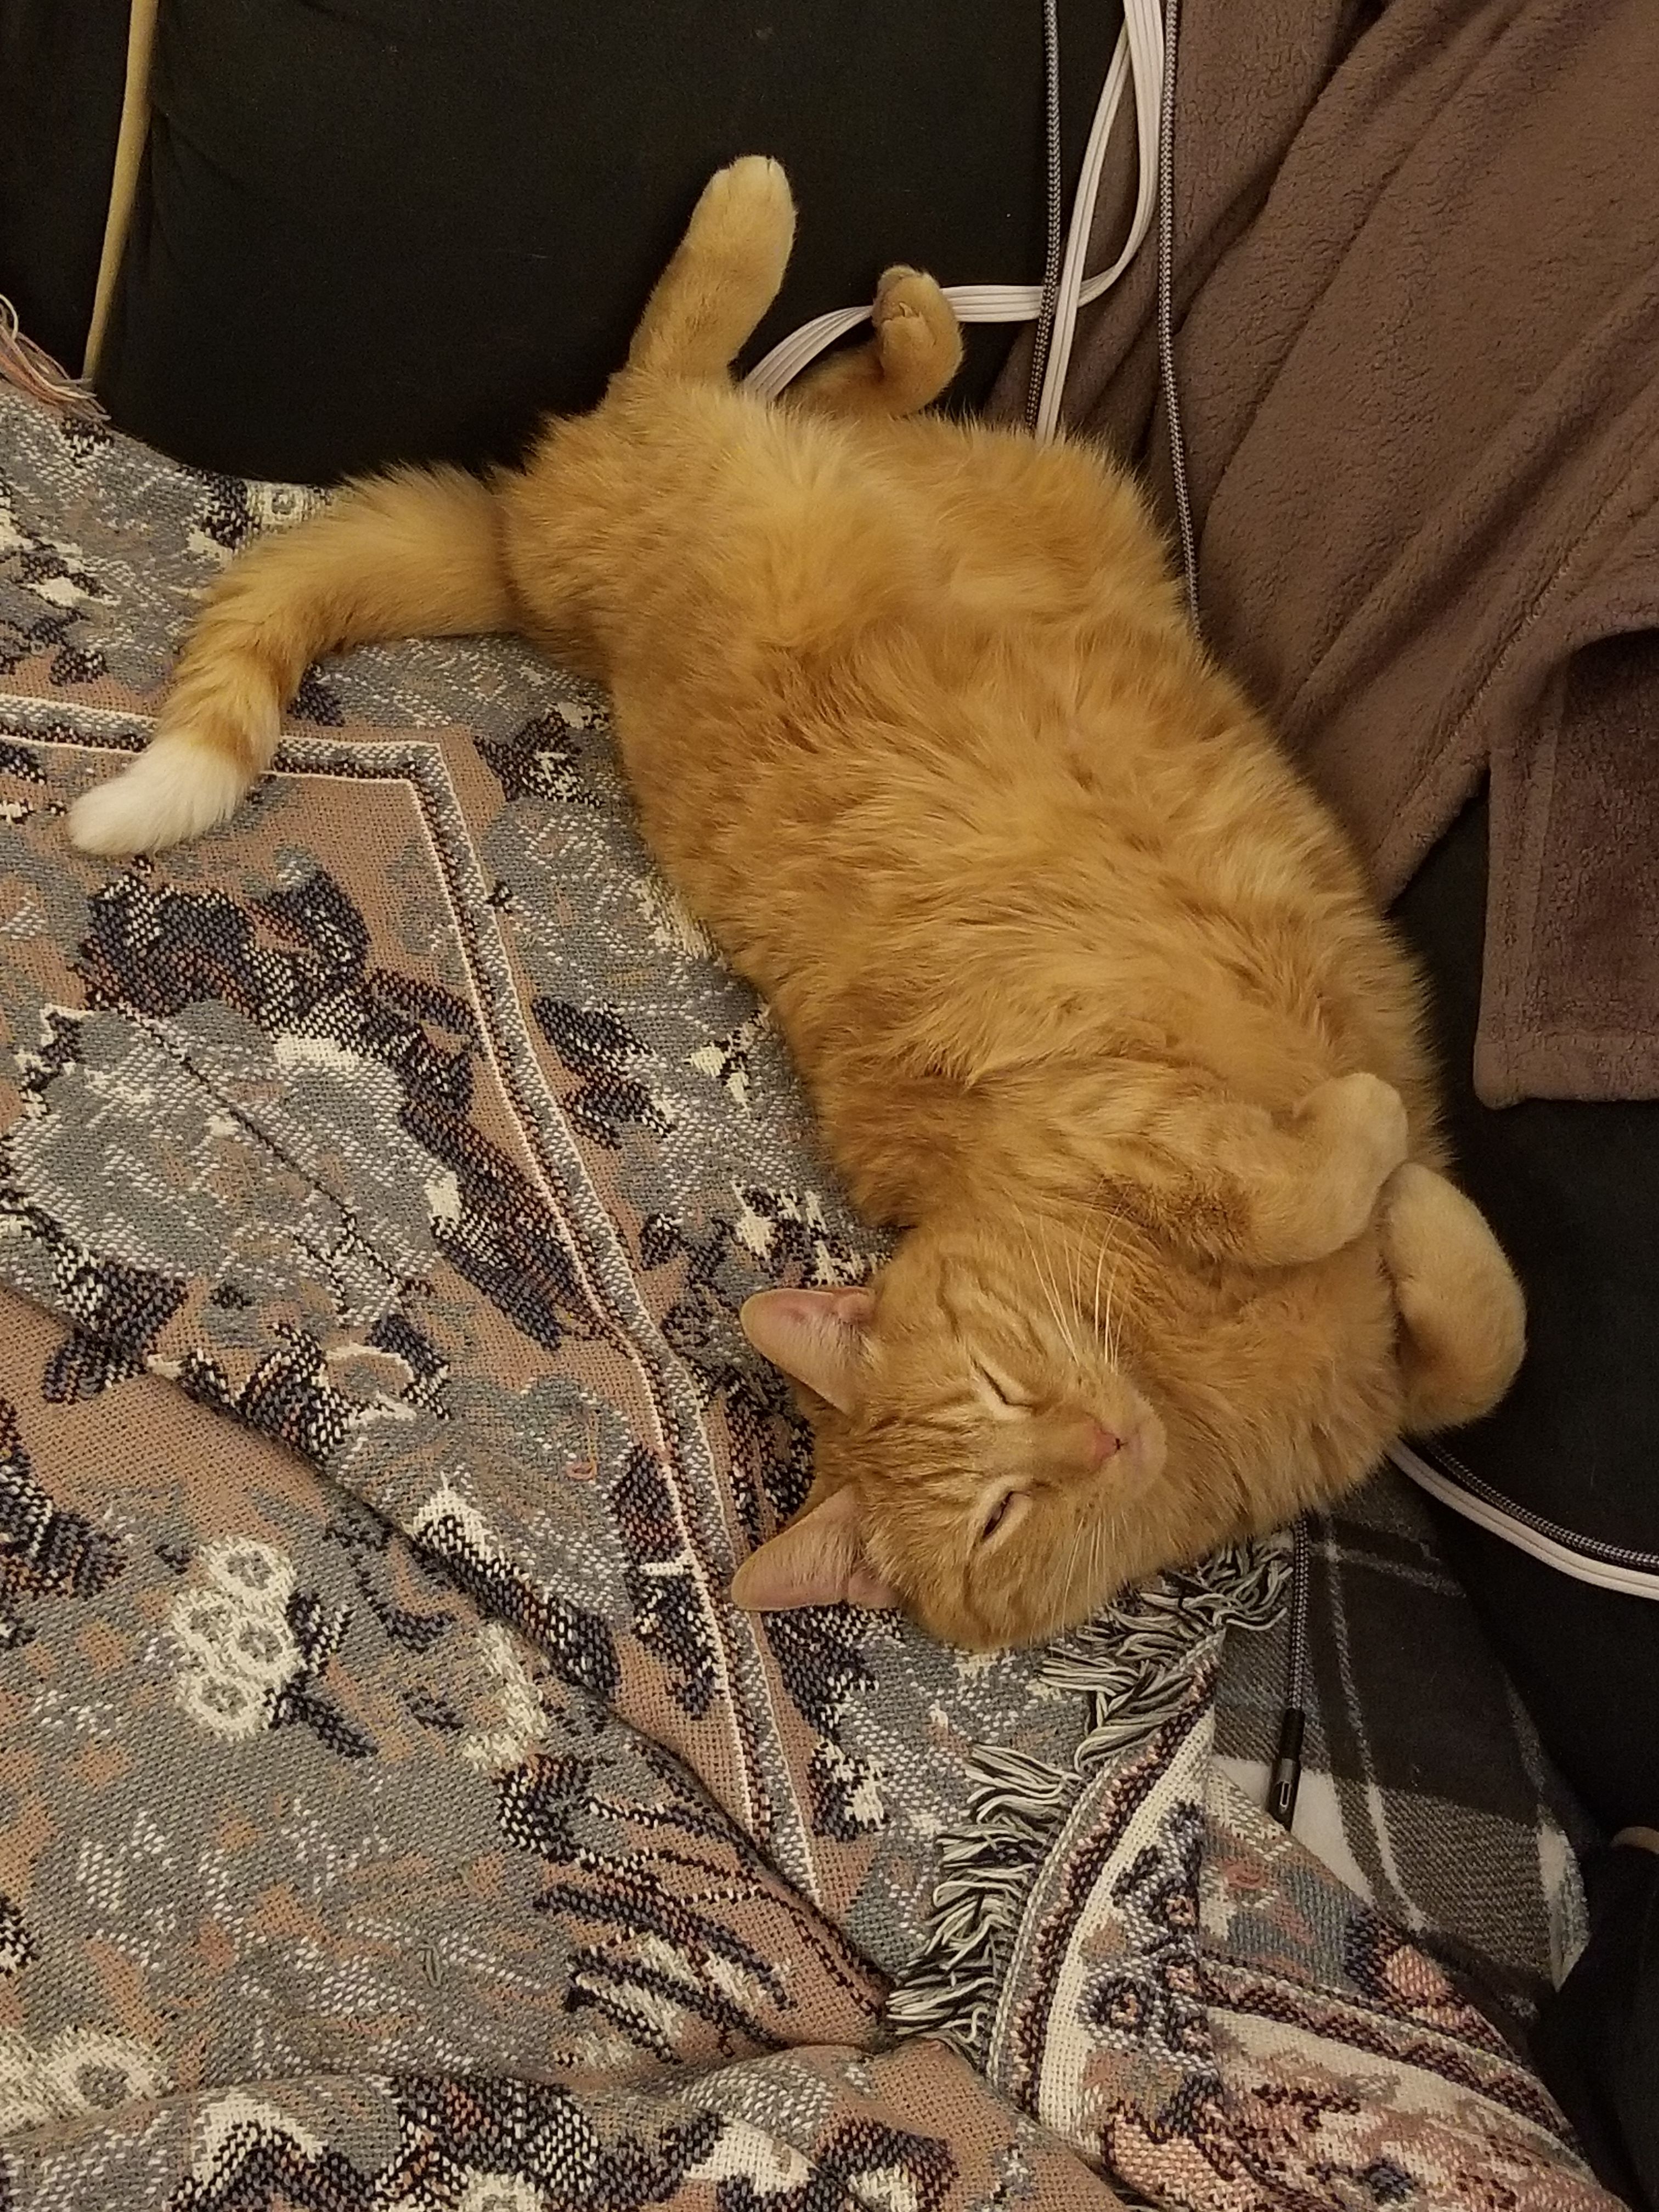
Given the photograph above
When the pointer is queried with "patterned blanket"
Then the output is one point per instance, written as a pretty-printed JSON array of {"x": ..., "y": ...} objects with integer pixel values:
[{"x": 392, "y": 1813}]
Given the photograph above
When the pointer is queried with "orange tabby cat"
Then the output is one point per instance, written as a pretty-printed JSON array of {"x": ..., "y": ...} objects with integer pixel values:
[{"x": 1087, "y": 989}]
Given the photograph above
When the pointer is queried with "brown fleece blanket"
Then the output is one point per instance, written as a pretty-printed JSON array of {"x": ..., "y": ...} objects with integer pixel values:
[{"x": 1416, "y": 304}]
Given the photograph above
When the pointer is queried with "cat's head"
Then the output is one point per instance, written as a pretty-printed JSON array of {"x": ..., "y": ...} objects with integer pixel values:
[{"x": 980, "y": 1449}]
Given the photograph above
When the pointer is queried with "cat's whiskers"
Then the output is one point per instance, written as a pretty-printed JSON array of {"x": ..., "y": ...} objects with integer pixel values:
[
  {"x": 1044, "y": 1281},
  {"x": 1057, "y": 1304},
  {"x": 1096, "y": 1551},
  {"x": 1077, "y": 1276},
  {"x": 1114, "y": 1319},
  {"x": 1072, "y": 1320},
  {"x": 1104, "y": 1345},
  {"x": 1071, "y": 1577}
]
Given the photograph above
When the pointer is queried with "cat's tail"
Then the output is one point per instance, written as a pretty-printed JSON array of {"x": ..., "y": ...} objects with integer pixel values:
[{"x": 416, "y": 553}]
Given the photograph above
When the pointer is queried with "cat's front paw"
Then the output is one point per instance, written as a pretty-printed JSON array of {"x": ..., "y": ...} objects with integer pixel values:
[
  {"x": 1359, "y": 1133},
  {"x": 1366, "y": 1117}
]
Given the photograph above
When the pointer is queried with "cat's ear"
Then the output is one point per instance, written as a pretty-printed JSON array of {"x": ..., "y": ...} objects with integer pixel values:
[
  {"x": 818, "y": 1560},
  {"x": 818, "y": 1336}
]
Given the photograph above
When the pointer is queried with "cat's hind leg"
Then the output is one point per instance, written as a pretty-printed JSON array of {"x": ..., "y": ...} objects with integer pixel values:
[
  {"x": 724, "y": 276},
  {"x": 915, "y": 353},
  {"x": 1463, "y": 1321}
]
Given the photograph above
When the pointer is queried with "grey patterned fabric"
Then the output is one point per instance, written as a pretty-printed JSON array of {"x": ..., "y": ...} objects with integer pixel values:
[{"x": 393, "y": 1811}]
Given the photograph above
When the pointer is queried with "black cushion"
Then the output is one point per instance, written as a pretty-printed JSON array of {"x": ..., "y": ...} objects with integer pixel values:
[
  {"x": 402, "y": 229},
  {"x": 1573, "y": 1191},
  {"x": 62, "y": 71},
  {"x": 1597, "y": 2044}
]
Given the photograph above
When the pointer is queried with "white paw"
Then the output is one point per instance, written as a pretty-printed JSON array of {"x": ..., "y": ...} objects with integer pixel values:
[{"x": 175, "y": 791}]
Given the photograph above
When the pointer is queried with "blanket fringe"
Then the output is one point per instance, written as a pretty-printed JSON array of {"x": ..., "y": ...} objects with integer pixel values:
[
  {"x": 1134, "y": 1665},
  {"x": 32, "y": 370}
]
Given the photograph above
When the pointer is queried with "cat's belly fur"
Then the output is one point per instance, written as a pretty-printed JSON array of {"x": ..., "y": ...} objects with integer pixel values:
[{"x": 917, "y": 728}]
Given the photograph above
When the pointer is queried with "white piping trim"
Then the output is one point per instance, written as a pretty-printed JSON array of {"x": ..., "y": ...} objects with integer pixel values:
[{"x": 1601, "y": 1574}]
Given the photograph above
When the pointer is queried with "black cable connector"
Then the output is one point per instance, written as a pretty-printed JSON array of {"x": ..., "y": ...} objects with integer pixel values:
[{"x": 1286, "y": 1778}]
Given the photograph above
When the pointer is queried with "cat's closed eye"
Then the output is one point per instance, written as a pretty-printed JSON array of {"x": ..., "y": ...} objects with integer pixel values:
[
  {"x": 1002, "y": 1389},
  {"x": 1006, "y": 1511},
  {"x": 997, "y": 1516}
]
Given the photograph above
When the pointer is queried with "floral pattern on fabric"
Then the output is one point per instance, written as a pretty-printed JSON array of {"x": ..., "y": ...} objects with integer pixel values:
[{"x": 394, "y": 1811}]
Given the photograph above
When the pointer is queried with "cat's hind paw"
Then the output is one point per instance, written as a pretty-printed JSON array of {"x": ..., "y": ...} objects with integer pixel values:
[
  {"x": 918, "y": 337},
  {"x": 746, "y": 214}
]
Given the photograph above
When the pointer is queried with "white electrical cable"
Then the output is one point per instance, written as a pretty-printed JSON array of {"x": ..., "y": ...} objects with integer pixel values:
[{"x": 1137, "y": 61}]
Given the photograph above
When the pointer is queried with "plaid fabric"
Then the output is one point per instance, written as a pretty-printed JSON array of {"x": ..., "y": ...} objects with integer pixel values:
[{"x": 1422, "y": 1785}]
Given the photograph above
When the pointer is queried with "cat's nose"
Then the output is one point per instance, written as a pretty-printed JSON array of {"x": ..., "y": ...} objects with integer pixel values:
[{"x": 1100, "y": 1445}]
